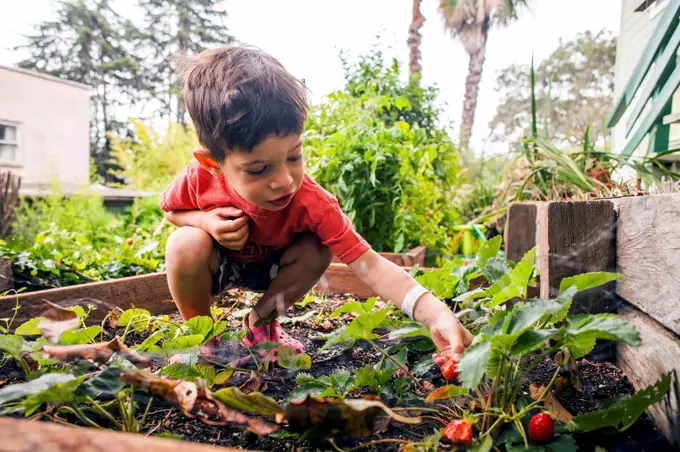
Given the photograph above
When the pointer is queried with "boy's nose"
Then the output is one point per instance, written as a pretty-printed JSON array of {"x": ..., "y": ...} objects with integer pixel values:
[{"x": 282, "y": 180}]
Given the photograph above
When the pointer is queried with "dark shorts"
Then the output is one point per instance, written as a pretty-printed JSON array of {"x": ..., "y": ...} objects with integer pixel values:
[{"x": 253, "y": 276}]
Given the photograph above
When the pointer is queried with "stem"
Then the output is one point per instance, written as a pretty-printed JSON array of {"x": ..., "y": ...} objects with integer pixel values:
[
  {"x": 532, "y": 405},
  {"x": 106, "y": 414},
  {"x": 401, "y": 366},
  {"x": 494, "y": 425},
  {"x": 146, "y": 412},
  {"x": 80, "y": 415},
  {"x": 520, "y": 428},
  {"x": 24, "y": 367}
]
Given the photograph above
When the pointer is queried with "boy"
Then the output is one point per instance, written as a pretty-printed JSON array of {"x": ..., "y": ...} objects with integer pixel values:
[{"x": 250, "y": 217}]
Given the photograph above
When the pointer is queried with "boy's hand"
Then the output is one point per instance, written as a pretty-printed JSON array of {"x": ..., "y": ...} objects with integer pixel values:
[
  {"x": 228, "y": 226},
  {"x": 449, "y": 336}
]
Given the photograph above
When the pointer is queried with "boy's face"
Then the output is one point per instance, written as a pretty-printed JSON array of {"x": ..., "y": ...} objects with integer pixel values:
[{"x": 270, "y": 174}]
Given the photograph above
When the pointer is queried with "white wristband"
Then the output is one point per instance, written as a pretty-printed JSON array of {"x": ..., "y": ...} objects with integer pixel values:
[{"x": 411, "y": 298}]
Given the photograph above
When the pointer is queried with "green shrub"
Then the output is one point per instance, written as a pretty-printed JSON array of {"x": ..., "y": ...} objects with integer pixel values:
[
  {"x": 58, "y": 241},
  {"x": 382, "y": 174},
  {"x": 150, "y": 160},
  {"x": 84, "y": 213},
  {"x": 60, "y": 257}
]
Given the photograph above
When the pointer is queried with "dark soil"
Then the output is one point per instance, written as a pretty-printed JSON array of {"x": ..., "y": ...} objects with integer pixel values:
[{"x": 599, "y": 381}]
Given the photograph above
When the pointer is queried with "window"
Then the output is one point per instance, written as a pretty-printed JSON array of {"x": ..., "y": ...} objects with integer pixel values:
[{"x": 8, "y": 142}]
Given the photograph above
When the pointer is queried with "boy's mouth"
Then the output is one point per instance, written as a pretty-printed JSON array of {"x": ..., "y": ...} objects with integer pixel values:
[{"x": 283, "y": 200}]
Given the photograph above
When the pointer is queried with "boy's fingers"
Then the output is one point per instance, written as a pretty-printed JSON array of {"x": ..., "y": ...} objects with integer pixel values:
[
  {"x": 228, "y": 212},
  {"x": 438, "y": 360},
  {"x": 234, "y": 225}
]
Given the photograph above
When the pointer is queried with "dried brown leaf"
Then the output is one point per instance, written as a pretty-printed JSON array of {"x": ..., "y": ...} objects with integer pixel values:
[
  {"x": 211, "y": 411},
  {"x": 551, "y": 403},
  {"x": 99, "y": 353},
  {"x": 196, "y": 402},
  {"x": 254, "y": 384},
  {"x": 352, "y": 418},
  {"x": 181, "y": 392},
  {"x": 57, "y": 321}
]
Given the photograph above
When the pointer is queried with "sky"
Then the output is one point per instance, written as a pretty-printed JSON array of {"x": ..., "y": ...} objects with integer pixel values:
[{"x": 307, "y": 36}]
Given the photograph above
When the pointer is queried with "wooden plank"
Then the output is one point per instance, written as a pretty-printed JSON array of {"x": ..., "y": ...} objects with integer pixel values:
[
  {"x": 20, "y": 435},
  {"x": 415, "y": 257},
  {"x": 520, "y": 229},
  {"x": 5, "y": 274},
  {"x": 648, "y": 254},
  {"x": 659, "y": 354},
  {"x": 574, "y": 238},
  {"x": 147, "y": 291},
  {"x": 408, "y": 259}
]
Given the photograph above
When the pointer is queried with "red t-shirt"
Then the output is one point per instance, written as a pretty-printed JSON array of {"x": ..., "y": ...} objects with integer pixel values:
[{"x": 311, "y": 209}]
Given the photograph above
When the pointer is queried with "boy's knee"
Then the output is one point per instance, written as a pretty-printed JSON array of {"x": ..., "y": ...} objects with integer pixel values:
[
  {"x": 314, "y": 253},
  {"x": 188, "y": 247}
]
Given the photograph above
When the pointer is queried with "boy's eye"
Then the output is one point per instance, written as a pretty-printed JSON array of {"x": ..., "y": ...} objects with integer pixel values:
[
  {"x": 295, "y": 159},
  {"x": 257, "y": 172}
]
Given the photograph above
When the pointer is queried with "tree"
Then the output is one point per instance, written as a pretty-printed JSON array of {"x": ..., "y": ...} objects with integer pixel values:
[
  {"x": 414, "y": 39},
  {"x": 574, "y": 87},
  {"x": 174, "y": 28},
  {"x": 470, "y": 21},
  {"x": 90, "y": 43}
]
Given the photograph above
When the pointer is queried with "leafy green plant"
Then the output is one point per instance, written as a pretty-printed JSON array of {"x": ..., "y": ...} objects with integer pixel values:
[
  {"x": 149, "y": 160},
  {"x": 376, "y": 147},
  {"x": 576, "y": 168},
  {"x": 514, "y": 334}
]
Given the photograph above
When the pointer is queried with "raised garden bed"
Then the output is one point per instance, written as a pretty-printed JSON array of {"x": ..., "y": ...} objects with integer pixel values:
[
  {"x": 355, "y": 367},
  {"x": 639, "y": 238}
]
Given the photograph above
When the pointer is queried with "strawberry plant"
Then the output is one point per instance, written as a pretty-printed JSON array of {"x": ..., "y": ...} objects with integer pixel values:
[{"x": 514, "y": 334}]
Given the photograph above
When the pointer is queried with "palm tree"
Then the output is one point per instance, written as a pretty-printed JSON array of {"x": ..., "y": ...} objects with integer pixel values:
[
  {"x": 470, "y": 21},
  {"x": 414, "y": 39}
]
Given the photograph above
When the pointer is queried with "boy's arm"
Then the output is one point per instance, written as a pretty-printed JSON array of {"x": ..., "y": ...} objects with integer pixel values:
[
  {"x": 227, "y": 225},
  {"x": 195, "y": 218},
  {"x": 392, "y": 283}
]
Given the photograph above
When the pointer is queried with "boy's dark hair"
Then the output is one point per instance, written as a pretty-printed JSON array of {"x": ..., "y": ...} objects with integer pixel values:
[{"x": 238, "y": 96}]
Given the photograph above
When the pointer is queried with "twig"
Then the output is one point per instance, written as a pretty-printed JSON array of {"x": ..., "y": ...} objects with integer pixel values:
[{"x": 160, "y": 424}]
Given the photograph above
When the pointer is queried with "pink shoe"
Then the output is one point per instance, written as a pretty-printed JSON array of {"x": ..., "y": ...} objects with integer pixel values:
[{"x": 270, "y": 332}]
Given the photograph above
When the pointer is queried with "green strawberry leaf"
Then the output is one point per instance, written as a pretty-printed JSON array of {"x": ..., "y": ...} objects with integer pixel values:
[
  {"x": 80, "y": 336},
  {"x": 488, "y": 250},
  {"x": 588, "y": 280},
  {"x": 200, "y": 325},
  {"x": 288, "y": 359},
  {"x": 29, "y": 328},
  {"x": 582, "y": 331},
  {"x": 133, "y": 315},
  {"x": 623, "y": 414},
  {"x": 472, "y": 365}
]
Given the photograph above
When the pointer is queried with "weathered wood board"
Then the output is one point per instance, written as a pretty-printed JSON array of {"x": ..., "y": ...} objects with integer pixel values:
[
  {"x": 148, "y": 292},
  {"x": 416, "y": 256},
  {"x": 659, "y": 354},
  {"x": 5, "y": 274},
  {"x": 520, "y": 229},
  {"x": 648, "y": 255},
  {"x": 20, "y": 435},
  {"x": 574, "y": 238}
]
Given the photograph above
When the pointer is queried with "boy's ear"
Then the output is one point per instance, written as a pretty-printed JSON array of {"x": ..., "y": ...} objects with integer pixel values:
[{"x": 207, "y": 162}]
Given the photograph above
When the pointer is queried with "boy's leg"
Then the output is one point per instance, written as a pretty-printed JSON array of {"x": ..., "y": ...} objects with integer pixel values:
[
  {"x": 301, "y": 266},
  {"x": 189, "y": 260}
]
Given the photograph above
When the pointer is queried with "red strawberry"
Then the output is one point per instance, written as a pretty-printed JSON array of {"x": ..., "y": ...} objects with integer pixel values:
[
  {"x": 459, "y": 432},
  {"x": 541, "y": 427},
  {"x": 130, "y": 241},
  {"x": 449, "y": 370}
]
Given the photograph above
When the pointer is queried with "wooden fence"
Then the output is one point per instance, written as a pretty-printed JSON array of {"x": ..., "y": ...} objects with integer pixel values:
[{"x": 638, "y": 237}]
